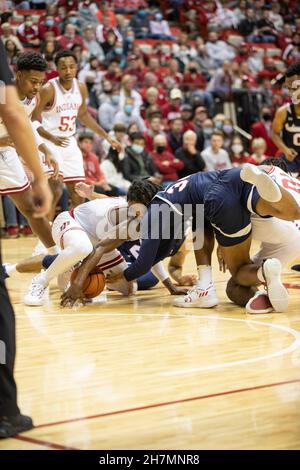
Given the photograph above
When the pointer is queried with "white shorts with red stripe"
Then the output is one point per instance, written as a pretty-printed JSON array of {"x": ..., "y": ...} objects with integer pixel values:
[
  {"x": 279, "y": 239},
  {"x": 69, "y": 159},
  {"x": 13, "y": 178}
]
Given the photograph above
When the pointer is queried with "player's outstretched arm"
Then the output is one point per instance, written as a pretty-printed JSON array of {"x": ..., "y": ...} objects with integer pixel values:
[
  {"x": 175, "y": 268},
  {"x": 85, "y": 118},
  {"x": 277, "y": 128}
]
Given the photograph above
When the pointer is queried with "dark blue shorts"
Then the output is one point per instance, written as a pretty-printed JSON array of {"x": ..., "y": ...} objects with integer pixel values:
[{"x": 228, "y": 205}]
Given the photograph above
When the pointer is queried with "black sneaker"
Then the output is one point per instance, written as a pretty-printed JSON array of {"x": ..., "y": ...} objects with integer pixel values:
[
  {"x": 12, "y": 425},
  {"x": 296, "y": 267}
]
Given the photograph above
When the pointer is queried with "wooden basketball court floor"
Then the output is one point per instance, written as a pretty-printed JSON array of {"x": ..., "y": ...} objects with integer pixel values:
[{"x": 140, "y": 374}]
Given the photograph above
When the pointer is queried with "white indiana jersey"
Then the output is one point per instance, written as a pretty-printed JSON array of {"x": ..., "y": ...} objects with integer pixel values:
[
  {"x": 97, "y": 218},
  {"x": 60, "y": 119},
  {"x": 28, "y": 105}
]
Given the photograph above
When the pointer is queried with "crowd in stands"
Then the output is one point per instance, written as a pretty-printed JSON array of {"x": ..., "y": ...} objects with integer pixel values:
[{"x": 185, "y": 85}]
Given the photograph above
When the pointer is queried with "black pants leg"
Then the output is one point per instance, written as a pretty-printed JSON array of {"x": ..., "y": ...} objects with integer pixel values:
[{"x": 8, "y": 388}]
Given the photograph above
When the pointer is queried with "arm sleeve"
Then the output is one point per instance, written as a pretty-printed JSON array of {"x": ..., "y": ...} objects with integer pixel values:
[
  {"x": 159, "y": 271},
  {"x": 145, "y": 260},
  {"x": 5, "y": 72}
]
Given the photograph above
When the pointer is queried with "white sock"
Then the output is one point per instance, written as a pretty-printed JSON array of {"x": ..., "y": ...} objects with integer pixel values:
[
  {"x": 11, "y": 269},
  {"x": 204, "y": 276},
  {"x": 53, "y": 250}
]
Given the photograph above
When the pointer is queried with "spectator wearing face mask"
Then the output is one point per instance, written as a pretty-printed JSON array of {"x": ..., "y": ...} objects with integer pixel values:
[
  {"x": 159, "y": 28},
  {"x": 28, "y": 33},
  {"x": 263, "y": 129},
  {"x": 128, "y": 91},
  {"x": 128, "y": 115},
  {"x": 108, "y": 111},
  {"x": 137, "y": 163},
  {"x": 189, "y": 155},
  {"x": 228, "y": 133},
  {"x": 117, "y": 54},
  {"x": 165, "y": 161},
  {"x": 218, "y": 121},
  {"x": 140, "y": 24},
  {"x": 208, "y": 128},
  {"x": 48, "y": 24},
  {"x": 129, "y": 41},
  {"x": 238, "y": 156},
  {"x": 215, "y": 157}
]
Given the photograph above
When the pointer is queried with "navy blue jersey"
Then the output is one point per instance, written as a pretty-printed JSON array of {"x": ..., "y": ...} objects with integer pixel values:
[
  {"x": 161, "y": 237},
  {"x": 226, "y": 203},
  {"x": 191, "y": 189}
]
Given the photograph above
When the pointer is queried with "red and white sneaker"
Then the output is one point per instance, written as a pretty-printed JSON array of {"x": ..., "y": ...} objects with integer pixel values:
[
  {"x": 276, "y": 291},
  {"x": 260, "y": 303},
  {"x": 198, "y": 298}
]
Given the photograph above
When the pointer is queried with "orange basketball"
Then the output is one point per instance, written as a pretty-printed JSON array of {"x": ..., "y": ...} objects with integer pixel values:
[{"x": 94, "y": 283}]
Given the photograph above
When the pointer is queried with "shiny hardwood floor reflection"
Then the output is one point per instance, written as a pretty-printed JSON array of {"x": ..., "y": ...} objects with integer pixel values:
[{"x": 139, "y": 373}]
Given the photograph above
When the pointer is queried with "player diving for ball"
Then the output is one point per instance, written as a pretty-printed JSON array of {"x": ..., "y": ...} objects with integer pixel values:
[
  {"x": 14, "y": 182},
  {"x": 228, "y": 199},
  {"x": 77, "y": 232}
]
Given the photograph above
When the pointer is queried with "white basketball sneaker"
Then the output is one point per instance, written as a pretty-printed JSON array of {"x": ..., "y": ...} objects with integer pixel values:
[
  {"x": 277, "y": 293},
  {"x": 36, "y": 293},
  {"x": 268, "y": 189},
  {"x": 198, "y": 298},
  {"x": 259, "y": 303}
]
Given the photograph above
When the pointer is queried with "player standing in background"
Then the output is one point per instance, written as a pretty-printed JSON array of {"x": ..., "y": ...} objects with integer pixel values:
[
  {"x": 286, "y": 124},
  {"x": 13, "y": 179},
  {"x": 12, "y": 422},
  {"x": 62, "y": 102}
]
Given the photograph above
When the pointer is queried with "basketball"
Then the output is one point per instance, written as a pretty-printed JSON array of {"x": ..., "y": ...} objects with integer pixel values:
[{"x": 94, "y": 283}]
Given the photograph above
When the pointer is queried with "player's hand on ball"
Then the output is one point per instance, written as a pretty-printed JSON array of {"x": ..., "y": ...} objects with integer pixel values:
[
  {"x": 72, "y": 296},
  {"x": 115, "y": 144},
  {"x": 84, "y": 190}
]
